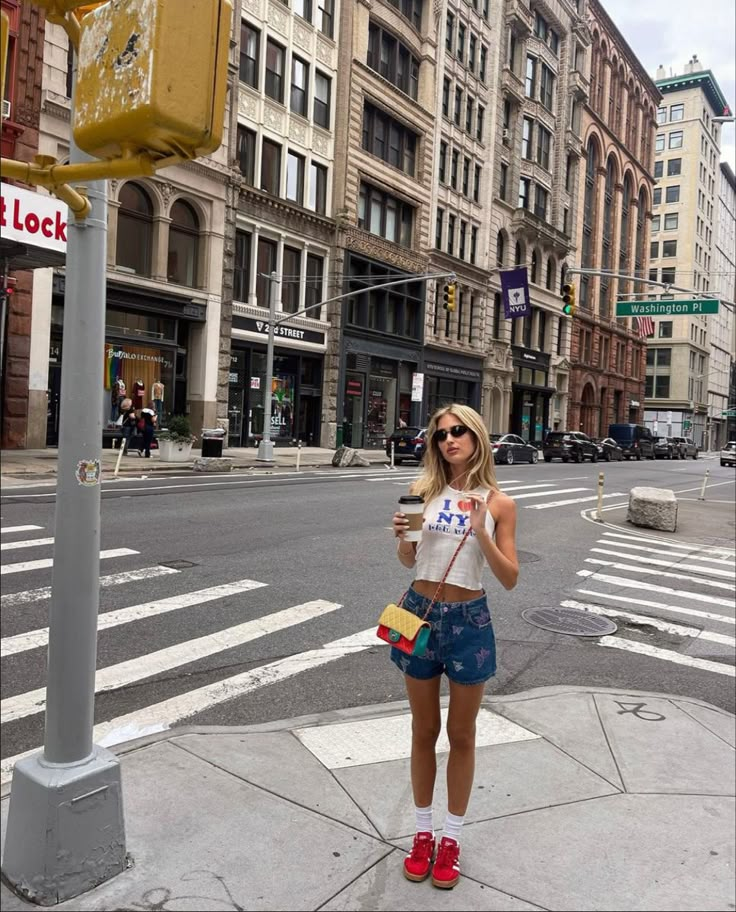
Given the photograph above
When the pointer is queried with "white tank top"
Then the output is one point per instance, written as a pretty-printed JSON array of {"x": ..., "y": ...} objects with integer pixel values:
[{"x": 442, "y": 531}]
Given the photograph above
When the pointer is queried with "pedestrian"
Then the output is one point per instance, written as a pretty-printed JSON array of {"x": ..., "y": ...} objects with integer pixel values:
[
  {"x": 148, "y": 416},
  {"x": 129, "y": 422},
  {"x": 458, "y": 485}
]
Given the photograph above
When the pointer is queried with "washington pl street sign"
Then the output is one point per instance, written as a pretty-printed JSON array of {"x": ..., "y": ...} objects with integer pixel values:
[{"x": 665, "y": 308}]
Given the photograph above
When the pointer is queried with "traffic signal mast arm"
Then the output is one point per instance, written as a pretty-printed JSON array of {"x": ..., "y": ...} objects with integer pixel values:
[{"x": 573, "y": 270}]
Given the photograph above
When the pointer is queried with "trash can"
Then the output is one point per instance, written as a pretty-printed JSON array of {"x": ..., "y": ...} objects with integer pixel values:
[{"x": 212, "y": 440}]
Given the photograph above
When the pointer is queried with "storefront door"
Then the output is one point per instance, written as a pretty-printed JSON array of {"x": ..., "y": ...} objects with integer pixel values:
[{"x": 353, "y": 406}]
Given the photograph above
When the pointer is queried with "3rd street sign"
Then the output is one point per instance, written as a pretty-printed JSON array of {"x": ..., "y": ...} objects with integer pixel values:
[{"x": 665, "y": 308}]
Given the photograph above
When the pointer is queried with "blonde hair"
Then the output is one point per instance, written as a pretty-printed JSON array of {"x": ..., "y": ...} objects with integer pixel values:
[{"x": 436, "y": 474}]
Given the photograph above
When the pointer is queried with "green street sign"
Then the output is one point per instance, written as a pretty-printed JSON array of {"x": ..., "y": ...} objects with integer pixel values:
[{"x": 665, "y": 308}]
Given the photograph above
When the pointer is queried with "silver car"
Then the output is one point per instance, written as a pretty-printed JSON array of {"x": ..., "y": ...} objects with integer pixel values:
[
  {"x": 728, "y": 453},
  {"x": 688, "y": 447}
]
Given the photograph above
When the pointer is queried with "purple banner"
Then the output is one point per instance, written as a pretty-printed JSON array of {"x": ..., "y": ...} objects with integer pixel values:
[{"x": 515, "y": 290}]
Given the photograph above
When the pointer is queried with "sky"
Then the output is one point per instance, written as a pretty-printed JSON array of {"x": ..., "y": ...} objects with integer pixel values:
[{"x": 669, "y": 32}]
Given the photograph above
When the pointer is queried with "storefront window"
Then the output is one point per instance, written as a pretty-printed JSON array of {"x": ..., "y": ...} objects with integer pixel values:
[
  {"x": 283, "y": 386},
  {"x": 137, "y": 372}
]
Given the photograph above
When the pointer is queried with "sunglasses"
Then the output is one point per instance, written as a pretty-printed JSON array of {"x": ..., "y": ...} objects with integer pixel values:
[{"x": 457, "y": 430}]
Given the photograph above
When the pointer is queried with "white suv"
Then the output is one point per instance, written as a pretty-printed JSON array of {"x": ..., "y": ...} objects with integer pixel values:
[{"x": 728, "y": 453}]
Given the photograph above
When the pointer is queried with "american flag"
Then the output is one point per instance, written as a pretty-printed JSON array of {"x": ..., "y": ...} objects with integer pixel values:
[{"x": 645, "y": 326}]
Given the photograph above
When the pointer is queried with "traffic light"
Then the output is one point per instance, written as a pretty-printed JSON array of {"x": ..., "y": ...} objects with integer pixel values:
[
  {"x": 449, "y": 303},
  {"x": 568, "y": 297},
  {"x": 152, "y": 77}
]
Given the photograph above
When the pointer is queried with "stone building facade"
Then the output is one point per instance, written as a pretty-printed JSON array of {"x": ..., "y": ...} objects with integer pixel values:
[{"x": 613, "y": 228}]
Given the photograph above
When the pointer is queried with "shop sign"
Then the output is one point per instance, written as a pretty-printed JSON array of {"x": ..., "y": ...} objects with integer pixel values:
[
  {"x": 233, "y": 377},
  {"x": 281, "y": 331},
  {"x": 451, "y": 370},
  {"x": 32, "y": 218},
  {"x": 354, "y": 388},
  {"x": 255, "y": 383},
  {"x": 417, "y": 387}
]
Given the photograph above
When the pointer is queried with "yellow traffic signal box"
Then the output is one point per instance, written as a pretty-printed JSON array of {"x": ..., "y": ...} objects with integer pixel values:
[{"x": 152, "y": 77}]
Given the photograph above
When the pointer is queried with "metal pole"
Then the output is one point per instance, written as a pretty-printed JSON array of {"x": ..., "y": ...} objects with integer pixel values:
[
  {"x": 46, "y": 855},
  {"x": 265, "y": 447},
  {"x": 298, "y": 455},
  {"x": 393, "y": 448},
  {"x": 705, "y": 484},
  {"x": 599, "y": 510}
]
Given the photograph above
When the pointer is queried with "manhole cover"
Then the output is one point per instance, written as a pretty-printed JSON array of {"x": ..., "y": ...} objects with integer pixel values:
[
  {"x": 178, "y": 564},
  {"x": 569, "y": 620},
  {"x": 527, "y": 557}
]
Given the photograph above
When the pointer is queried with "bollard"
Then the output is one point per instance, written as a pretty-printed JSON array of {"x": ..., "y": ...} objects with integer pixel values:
[
  {"x": 298, "y": 455},
  {"x": 599, "y": 511},
  {"x": 393, "y": 446},
  {"x": 122, "y": 449},
  {"x": 705, "y": 483}
]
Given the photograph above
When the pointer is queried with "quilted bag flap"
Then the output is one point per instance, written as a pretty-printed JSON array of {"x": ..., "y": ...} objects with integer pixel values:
[{"x": 406, "y": 623}]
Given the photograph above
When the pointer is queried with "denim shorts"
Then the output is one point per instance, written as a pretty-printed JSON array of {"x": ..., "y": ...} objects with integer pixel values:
[{"x": 461, "y": 642}]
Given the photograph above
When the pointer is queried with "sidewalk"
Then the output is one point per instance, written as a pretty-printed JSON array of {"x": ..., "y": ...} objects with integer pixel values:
[
  {"x": 25, "y": 466},
  {"x": 584, "y": 798}
]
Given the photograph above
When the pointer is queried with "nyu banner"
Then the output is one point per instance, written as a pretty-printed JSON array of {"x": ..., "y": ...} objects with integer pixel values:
[{"x": 515, "y": 290}]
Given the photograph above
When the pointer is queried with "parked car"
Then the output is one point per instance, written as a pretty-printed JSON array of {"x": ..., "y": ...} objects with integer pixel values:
[
  {"x": 666, "y": 448},
  {"x": 569, "y": 445},
  {"x": 508, "y": 448},
  {"x": 728, "y": 453},
  {"x": 634, "y": 439},
  {"x": 409, "y": 443},
  {"x": 688, "y": 447},
  {"x": 609, "y": 450}
]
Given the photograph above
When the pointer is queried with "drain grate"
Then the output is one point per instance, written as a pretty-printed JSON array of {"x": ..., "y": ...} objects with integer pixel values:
[
  {"x": 178, "y": 564},
  {"x": 571, "y": 621}
]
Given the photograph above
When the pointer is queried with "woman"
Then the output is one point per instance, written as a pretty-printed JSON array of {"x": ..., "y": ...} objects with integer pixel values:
[
  {"x": 129, "y": 422},
  {"x": 460, "y": 492},
  {"x": 148, "y": 416}
]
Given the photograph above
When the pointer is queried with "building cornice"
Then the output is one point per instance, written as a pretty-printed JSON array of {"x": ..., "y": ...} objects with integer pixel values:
[
  {"x": 609, "y": 26},
  {"x": 703, "y": 79}
]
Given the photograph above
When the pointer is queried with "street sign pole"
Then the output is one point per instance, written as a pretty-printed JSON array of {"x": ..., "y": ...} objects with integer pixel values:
[
  {"x": 265, "y": 447},
  {"x": 65, "y": 820}
]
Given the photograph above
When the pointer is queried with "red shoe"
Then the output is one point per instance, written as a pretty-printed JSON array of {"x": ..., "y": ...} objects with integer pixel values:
[
  {"x": 418, "y": 863},
  {"x": 446, "y": 871}
]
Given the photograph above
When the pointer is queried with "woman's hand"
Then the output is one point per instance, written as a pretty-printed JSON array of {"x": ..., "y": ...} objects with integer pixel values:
[
  {"x": 478, "y": 512},
  {"x": 401, "y": 524}
]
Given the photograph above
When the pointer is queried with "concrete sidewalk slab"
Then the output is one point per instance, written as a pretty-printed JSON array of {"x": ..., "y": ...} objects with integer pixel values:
[{"x": 249, "y": 818}]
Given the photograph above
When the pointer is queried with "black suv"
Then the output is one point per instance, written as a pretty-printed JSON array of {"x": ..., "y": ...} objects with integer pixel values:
[{"x": 569, "y": 445}]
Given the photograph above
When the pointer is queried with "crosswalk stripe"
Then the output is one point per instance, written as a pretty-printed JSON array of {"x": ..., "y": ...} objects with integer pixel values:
[
  {"x": 524, "y": 487},
  {"x": 648, "y": 620},
  {"x": 548, "y": 493},
  {"x": 574, "y": 500},
  {"x": 725, "y": 554},
  {"x": 29, "y": 543},
  {"x": 25, "y": 566},
  {"x": 713, "y": 571},
  {"x": 652, "y": 587},
  {"x": 677, "y": 609},
  {"x": 690, "y": 555},
  {"x": 161, "y": 716},
  {"x": 153, "y": 663},
  {"x": 35, "y": 638},
  {"x": 714, "y": 584},
  {"x": 12, "y": 599},
  {"x": 8, "y": 529},
  {"x": 667, "y": 655}
]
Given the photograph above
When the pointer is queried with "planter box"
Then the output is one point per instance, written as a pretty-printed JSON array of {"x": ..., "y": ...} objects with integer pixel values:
[{"x": 175, "y": 450}]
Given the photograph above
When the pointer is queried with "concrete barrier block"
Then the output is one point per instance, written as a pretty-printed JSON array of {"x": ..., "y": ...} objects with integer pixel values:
[
  {"x": 653, "y": 508},
  {"x": 212, "y": 464}
]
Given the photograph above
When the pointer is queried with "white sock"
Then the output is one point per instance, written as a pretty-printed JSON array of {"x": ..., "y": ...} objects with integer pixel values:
[
  {"x": 453, "y": 826},
  {"x": 424, "y": 819}
]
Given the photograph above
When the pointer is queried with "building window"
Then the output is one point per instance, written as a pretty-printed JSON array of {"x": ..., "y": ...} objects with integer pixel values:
[
  {"x": 443, "y": 163},
  {"x": 657, "y": 196},
  {"x": 275, "y": 56},
  {"x": 241, "y": 277},
  {"x": 458, "y": 106},
  {"x": 544, "y": 145},
  {"x": 454, "y": 168},
  {"x": 527, "y": 130},
  {"x": 476, "y": 184},
  {"x": 674, "y": 167},
  {"x": 246, "y": 152},
  {"x": 410, "y": 9},
  {"x": 469, "y": 115},
  {"x": 451, "y": 234},
  {"x": 483, "y": 62},
  {"x": 473, "y": 243},
  {"x": 550, "y": 281},
  {"x": 135, "y": 230},
  {"x": 479, "y": 123},
  {"x": 183, "y": 245},
  {"x": 668, "y": 275},
  {"x": 472, "y": 47},
  {"x": 677, "y": 112},
  {"x": 249, "y": 44},
  {"x": 672, "y": 194},
  {"x": 669, "y": 248},
  {"x": 524, "y": 188},
  {"x": 586, "y": 253},
  {"x": 654, "y": 250},
  {"x": 655, "y": 224},
  {"x": 624, "y": 240},
  {"x": 438, "y": 229},
  {"x": 500, "y": 249},
  {"x": 449, "y": 32},
  {"x": 291, "y": 279},
  {"x": 466, "y": 176},
  {"x": 534, "y": 272},
  {"x": 463, "y": 236},
  {"x": 503, "y": 183},
  {"x": 266, "y": 264},
  {"x": 325, "y": 16},
  {"x": 659, "y": 143},
  {"x": 547, "y": 87},
  {"x": 460, "y": 42},
  {"x": 318, "y": 188},
  {"x": 393, "y": 60},
  {"x": 541, "y": 198},
  {"x": 661, "y": 115},
  {"x": 676, "y": 140},
  {"x": 303, "y": 8},
  {"x": 671, "y": 220},
  {"x": 295, "y": 178},
  {"x": 385, "y": 215},
  {"x": 299, "y": 86},
  {"x": 531, "y": 77},
  {"x": 665, "y": 329},
  {"x": 658, "y": 168},
  {"x": 607, "y": 240},
  {"x": 322, "y": 90},
  {"x": 270, "y": 167},
  {"x": 315, "y": 280}
]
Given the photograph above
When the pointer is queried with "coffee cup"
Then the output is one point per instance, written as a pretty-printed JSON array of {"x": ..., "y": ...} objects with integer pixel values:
[{"x": 413, "y": 506}]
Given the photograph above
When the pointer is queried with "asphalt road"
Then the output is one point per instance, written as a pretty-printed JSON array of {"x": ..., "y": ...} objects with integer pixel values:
[{"x": 310, "y": 563}]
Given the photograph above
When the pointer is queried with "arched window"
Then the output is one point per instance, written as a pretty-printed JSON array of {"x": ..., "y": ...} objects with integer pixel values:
[
  {"x": 619, "y": 100},
  {"x": 635, "y": 122},
  {"x": 612, "y": 93},
  {"x": 607, "y": 238},
  {"x": 550, "y": 283},
  {"x": 500, "y": 248},
  {"x": 183, "y": 245},
  {"x": 517, "y": 254},
  {"x": 639, "y": 251},
  {"x": 135, "y": 230},
  {"x": 535, "y": 267},
  {"x": 586, "y": 253},
  {"x": 624, "y": 255}
]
